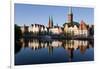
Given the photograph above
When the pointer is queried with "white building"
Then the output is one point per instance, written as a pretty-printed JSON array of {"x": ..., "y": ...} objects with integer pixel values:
[
  {"x": 56, "y": 30},
  {"x": 72, "y": 29},
  {"x": 81, "y": 29},
  {"x": 35, "y": 28}
]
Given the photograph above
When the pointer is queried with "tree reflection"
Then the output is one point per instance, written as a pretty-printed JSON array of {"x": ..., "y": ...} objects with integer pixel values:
[{"x": 18, "y": 46}]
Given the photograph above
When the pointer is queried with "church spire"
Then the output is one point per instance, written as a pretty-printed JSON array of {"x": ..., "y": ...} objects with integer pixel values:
[
  {"x": 51, "y": 21},
  {"x": 70, "y": 10},
  {"x": 50, "y": 24},
  {"x": 70, "y": 15}
]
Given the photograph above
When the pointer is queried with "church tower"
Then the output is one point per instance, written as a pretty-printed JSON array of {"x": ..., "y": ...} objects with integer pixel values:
[
  {"x": 70, "y": 15},
  {"x": 50, "y": 23}
]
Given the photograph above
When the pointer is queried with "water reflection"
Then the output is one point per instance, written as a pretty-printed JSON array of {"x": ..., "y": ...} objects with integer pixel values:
[
  {"x": 69, "y": 50},
  {"x": 18, "y": 45},
  {"x": 72, "y": 45},
  {"x": 35, "y": 44},
  {"x": 76, "y": 44}
]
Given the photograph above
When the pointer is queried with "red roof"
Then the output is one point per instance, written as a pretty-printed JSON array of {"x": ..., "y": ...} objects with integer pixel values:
[{"x": 82, "y": 25}]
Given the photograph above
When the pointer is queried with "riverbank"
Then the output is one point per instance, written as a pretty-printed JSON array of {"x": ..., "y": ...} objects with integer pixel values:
[{"x": 59, "y": 37}]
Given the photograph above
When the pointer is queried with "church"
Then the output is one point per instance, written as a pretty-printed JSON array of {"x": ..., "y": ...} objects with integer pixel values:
[
  {"x": 74, "y": 28},
  {"x": 54, "y": 29}
]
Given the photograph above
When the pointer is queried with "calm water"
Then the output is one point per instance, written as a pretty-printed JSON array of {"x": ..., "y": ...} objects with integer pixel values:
[{"x": 40, "y": 51}]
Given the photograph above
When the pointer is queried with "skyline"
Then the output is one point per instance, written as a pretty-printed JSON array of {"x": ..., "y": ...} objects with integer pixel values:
[{"x": 30, "y": 14}]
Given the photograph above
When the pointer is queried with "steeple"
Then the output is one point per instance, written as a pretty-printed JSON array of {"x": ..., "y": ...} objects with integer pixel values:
[
  {"x": 70, "y": 15},
  {"x": 70, "y": 10},
  {"x": 50, "y": 23}
]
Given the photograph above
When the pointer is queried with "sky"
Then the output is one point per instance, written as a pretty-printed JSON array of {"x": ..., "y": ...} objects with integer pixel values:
[{"x": 39, "y": 14}]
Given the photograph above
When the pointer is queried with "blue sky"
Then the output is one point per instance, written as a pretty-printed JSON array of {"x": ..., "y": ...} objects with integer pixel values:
[{"x": 30, "y": 14}]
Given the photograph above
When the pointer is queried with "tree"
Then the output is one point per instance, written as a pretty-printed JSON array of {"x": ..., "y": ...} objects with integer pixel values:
[{"x": 18, "y": 32}]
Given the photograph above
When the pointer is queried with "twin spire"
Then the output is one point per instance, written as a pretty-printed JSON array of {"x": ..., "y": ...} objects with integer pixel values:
[
  {"x": 70, "y": 18},
  {"x": 50, "y": 24}
]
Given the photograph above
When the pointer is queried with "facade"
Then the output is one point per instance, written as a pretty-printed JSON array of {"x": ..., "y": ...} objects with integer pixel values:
[
  {"x": 77, "y": 30},
  {"x": 56, "y": 30},
  {"x": 36, "y": 28},
  {"x": 83, "y": 30},
  {"x": 73, "y": 29}
]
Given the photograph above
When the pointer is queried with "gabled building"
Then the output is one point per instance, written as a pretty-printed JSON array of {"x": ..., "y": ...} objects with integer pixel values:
[
  {"x": 83, "y": 30},
  {"x": 56, "y": 30},
  {"x": 36, "y": 28}
]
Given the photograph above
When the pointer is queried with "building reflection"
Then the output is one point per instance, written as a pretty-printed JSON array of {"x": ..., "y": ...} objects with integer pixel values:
[
  {"x": 73, "y": 45},
  {"x": 69, "y": 45}
]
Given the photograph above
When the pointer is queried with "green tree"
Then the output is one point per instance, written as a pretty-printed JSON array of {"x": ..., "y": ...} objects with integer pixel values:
[{"x": 18, "y": 32}]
